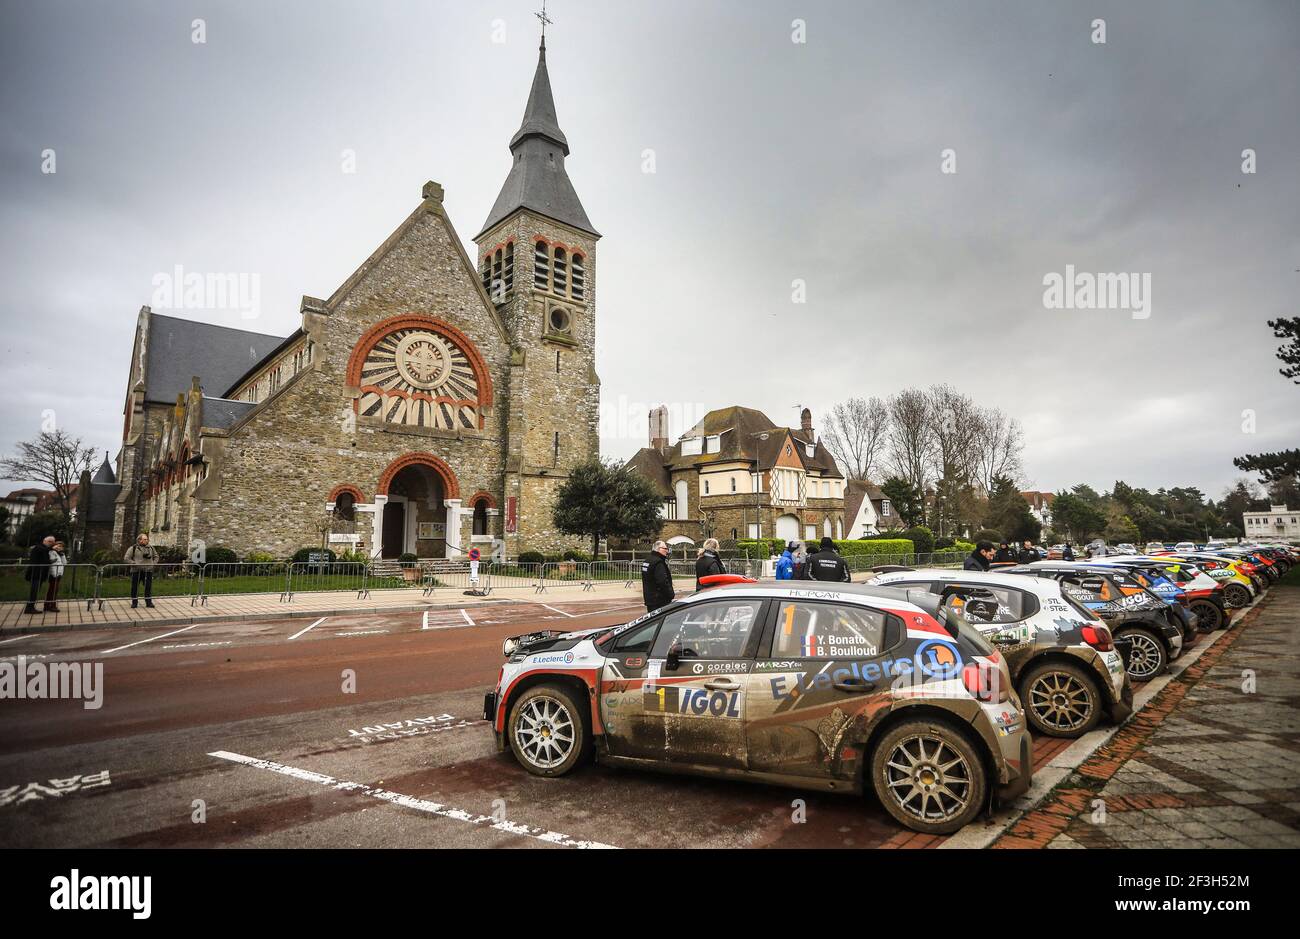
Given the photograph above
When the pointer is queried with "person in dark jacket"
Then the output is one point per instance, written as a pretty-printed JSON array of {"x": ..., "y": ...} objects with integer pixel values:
[
  {"x": 980, "y": 558},
  {"x": 656, "y": 578},
  {"x": 1067, "y": 553},
  {"x": 826, "y": 564},
  {"x": 1028, "y": 553},
  {"x": 1005, "y": 555},
  {"x": 708, "y": 562},
  {"x": 38, "y": 569},
  {"x": 799, "y": 553}
]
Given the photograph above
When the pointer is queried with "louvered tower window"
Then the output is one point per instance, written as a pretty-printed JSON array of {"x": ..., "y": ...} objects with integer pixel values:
[
  {"x": 579, "y": 278},
  {"x": 541, "y": 267},
  {"x": 561, "y": 270}
]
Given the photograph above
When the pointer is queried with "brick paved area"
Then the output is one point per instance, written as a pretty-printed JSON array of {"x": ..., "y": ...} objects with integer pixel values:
[{"x": 1211, "y": 762}]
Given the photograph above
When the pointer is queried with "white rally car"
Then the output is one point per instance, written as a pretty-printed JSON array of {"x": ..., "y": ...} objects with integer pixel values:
[{"x": 839, "y": 688}]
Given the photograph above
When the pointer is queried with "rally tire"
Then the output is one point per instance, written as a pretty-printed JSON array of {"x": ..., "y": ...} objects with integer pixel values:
[
  {"x": 1236, "y": 595},
  {"x": 929, "y": 776},
  {"x": 1061, "y": 699},
  {"x": 1149, "y": 658},
  {"x": 1209, "y": 616},
  {"x": 548, "y": 730}
]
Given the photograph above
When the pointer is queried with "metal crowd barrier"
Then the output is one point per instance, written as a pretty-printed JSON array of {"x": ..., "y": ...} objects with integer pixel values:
[
  {"x": 322, "y": 576},
  {"x": 77, "y": 585},
  {"x": 114, "y": 581}
]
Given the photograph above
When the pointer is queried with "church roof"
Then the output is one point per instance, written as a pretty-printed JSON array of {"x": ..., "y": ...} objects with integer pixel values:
[
  {"x": 180, "y": 349},
  {"x": 537, "y": 178},
  {"x": 222, "y": 413},
  {"x": 105, "y": 473},
  {"x": 649, "y": 462}
]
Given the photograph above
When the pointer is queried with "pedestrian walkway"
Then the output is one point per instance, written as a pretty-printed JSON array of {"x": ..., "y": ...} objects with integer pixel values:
[
  {"x": 169, "y": 611},
  {"x": 1212, "y": 762}
]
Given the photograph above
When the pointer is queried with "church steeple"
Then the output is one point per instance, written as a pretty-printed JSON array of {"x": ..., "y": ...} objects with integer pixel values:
[{"x": 537, "y": 178}]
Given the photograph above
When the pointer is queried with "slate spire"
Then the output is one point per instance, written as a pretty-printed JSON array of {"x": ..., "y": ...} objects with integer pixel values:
[{"x": 537, "y": 179}]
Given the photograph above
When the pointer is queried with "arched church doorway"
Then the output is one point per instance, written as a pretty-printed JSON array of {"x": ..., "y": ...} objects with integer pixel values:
[{"x": 415, "y": 490}]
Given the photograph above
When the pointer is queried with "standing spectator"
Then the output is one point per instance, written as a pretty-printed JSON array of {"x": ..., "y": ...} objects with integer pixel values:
[
  {"x": 826, "y": 564},
  {"x": 656, "y": 578},
  {"x": 785, "y": 563},
  {"x": 143, "y": 558},
  {"x": 708, "y": 561},
  {"x": 1028, "y": 553},
  {"x": 980, "y": 559},
  {"x": 58, "y": 561},
  {"x": 1067, "y": 552},
  {"x": 1005, "y": 555},
  {"x": 800, "y": 556},
  {"x": 38, "y": 568}
]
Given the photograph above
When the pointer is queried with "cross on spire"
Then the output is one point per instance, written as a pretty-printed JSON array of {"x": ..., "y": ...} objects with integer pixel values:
[{"x": 545, "y": 21}]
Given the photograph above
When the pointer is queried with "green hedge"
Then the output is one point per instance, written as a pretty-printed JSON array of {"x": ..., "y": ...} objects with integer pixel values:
[{"x": 857, "y": 548}]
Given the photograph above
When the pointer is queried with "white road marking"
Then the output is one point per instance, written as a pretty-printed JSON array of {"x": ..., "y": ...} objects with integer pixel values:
[
  {"x": 410, "y": 802},
  {"x": 425, "y": 622},
  {"x": 150, "y": 639},
  {"x": 362, "y": 632},
  {"x": 16, "y": 638},
  {"x": 312, "y": 626},
  {"x": 465, "y": 614},
  {"x": 554, "y": 610}
]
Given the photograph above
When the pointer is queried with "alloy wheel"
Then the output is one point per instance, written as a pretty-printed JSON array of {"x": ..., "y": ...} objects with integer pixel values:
[
  {"x": 1060, "y": 701},
  {"x": 545, "y": 731},
  {"x": 928, "y": 778},
  {"x": 1145, "y": 661}
]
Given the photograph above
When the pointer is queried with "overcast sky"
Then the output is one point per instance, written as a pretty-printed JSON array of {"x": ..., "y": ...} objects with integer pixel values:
[{"x": 774, "y": 161}]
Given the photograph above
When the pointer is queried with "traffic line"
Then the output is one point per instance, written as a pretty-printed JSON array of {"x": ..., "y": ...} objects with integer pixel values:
[
  {"x": 468, "y": 618},
  {"x": 410, "y": 802},
  {"x": 561, "y": 612},
  {"x": 150, "y": 639},
  {"x": 15, "y": 638},
  {"x": 308, "y": 629},
  {"x": 424, "y": 623}
]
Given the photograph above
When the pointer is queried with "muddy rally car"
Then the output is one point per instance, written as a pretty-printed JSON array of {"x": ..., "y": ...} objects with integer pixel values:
[
  {"x": 1061, "y": 657},
  {"x": 1137, "y": 618},
  {"x": 844, "y": 689}
]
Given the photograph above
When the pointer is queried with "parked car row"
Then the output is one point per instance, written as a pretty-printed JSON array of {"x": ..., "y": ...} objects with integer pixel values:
[{"x": 920, "y": 686}]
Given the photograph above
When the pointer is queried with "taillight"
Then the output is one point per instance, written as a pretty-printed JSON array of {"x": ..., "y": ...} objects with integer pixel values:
[
  {"x": 984, "y": 682},
  {"x": 1099, "y": 638}
]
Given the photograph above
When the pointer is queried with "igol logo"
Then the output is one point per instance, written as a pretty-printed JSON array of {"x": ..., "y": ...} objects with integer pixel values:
[{"x": 938, "y": 659}]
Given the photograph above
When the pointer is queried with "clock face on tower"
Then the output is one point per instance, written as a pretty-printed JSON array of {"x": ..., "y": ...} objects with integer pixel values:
[{"x": 421, "y": 378}]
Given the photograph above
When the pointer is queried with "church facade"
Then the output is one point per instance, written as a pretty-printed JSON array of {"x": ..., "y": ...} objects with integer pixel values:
[{"x": 434, "y": 402}]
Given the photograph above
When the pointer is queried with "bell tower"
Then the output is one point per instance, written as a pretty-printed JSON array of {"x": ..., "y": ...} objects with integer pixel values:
[{"x": 537, "y": 261}]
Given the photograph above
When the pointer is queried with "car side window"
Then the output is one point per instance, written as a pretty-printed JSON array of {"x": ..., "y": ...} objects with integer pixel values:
[
  {"x": 827, "y": 631},
  {"x": 638, "y": 638},
  {"x": 716, "y": 630},
  {"x": 992, "y": 604}
]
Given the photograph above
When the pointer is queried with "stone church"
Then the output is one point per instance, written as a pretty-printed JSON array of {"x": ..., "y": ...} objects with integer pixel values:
[{"x": 433, "y": 402}]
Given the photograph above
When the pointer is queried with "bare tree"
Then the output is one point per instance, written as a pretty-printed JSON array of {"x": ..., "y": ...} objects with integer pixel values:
[
  {"x": 53, "y": 458},
  {"x": 999, "y": 448},
  {"x": 910, "y": 437},
  {"x": 855, "y": 434},
  {"x": 956, "y": 431}
]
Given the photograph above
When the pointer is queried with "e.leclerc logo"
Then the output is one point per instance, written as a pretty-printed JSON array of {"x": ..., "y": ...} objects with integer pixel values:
[{"x": 938, "y": 659}]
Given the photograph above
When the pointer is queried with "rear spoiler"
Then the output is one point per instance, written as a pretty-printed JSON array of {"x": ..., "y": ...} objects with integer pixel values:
[
  {"x": 891, "y": 569},
  {"x": 723, "y": 580}
]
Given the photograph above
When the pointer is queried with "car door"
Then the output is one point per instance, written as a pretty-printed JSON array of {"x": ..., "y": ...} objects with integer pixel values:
[
  {"x": 822, "y": 675},
  {"x": 627, "y": 660},
  {"x": 691, "y": 693}
]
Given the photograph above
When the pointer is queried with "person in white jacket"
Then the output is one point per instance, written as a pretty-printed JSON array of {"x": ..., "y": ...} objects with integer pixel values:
[{"x": 58, "y": 561}]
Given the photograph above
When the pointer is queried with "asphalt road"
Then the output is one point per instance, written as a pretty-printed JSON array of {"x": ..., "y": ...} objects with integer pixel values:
[{"x": 243, "y": 734}]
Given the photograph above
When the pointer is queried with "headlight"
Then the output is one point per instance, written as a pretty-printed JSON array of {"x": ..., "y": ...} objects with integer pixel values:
[{"x": 509, "y": 647}]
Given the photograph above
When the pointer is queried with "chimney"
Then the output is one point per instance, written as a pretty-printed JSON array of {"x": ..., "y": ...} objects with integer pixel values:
[
  {"x": 659, "y": 428},
  {"x": 805, "y": 424}
]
